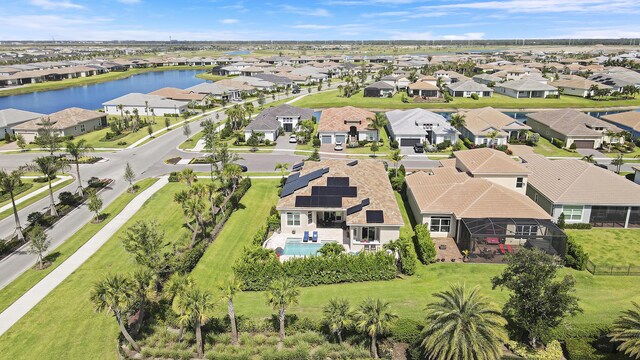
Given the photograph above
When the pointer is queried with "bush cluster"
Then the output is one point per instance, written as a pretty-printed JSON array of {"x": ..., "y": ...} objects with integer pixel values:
[
  {"x": 4, "y": 196},
  {"x": 425, "y": 247},
  {"x": 408, "y": 257},
  {"x": 553, "y": 351},
  {"x": 576, "y": 256},
  {"x": 578, "y": 226}
]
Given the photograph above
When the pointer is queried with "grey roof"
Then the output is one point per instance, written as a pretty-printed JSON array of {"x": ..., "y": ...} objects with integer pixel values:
[
  {"x": 571, "y": 122},
  {"x": 619, "y": 79},
  {"x": 487, "y": 77},
  {"x": 276, "y": 79},
  {"x": 469, "y": 85},
  {"x": 10, "y": 117},
  {"x": 525, "y": 84},
  {"x": 268, "y": 119},
  {"x": 380, "y": 85},
  {"x": 211, "y": 88},
  {"x": 412, "y": 122},
  {"x": 138, "y": 99}
]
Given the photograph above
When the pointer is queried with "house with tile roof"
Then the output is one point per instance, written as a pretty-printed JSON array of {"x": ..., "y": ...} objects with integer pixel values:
[
  {"x": 481, "y": 123},
  {"x": 577, "y": 86},
  {"x": 469, "y": 87},
  {"x": 346, "y": 124},
  {"x": 272, "y": 120},
  {"x": 627, "y": 121},
  {"x": 525, "y": 88},
  {"x": 573, "y": 127},
  {"x": 493, "y": 165},
  {"x": 181, "y": 95},
  {"x": 409, "y": 127},
  {"x": 583, "y": 192},
  {"x": 13, "y": 117},
  {"x": 67, "y": 122},
  {"x": 217, "y": 91},
  {"x": 424, "y": 89},
  {"x": 160, "y": 105},
  {"x": 349, "y": 202},
  {"x": 380, "y": 89}
]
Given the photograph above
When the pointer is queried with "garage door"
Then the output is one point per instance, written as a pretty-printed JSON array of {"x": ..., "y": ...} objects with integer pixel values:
[
  {"x": 326, "y": 139},
  {"x": 341, "y": 138},
  {"x": 409, "y": 141},
  {"x": 584, "y": 144}
]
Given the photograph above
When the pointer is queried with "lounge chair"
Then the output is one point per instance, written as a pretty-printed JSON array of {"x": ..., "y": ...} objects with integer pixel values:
[
  {"x": 305, "y": 238},
  {"x": 315, "y": 236},
  {"x": 509, "y": 249},
  {"x": 502, "y": 251}
]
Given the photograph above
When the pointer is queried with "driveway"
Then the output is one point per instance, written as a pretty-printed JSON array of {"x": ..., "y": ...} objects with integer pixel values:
[
  {"x": 406, "y": 150},
  {"x": 282, "y": 143},
  {"x": 586, "y": 152}
]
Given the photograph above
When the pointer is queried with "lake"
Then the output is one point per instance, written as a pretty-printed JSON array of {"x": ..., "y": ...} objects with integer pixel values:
[{"x": 92, "y": 96}]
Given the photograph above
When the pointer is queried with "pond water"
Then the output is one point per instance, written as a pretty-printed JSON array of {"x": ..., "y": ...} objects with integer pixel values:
[
  {"x": 92, "y": 96},
  {"x": 239, "y": 52}
]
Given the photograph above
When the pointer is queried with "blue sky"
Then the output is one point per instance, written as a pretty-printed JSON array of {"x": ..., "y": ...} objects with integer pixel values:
[{"x": 317, "y": 20}]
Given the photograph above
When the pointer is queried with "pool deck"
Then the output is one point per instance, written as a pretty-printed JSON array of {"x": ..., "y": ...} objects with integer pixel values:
[{"x": 325, "y": 235}]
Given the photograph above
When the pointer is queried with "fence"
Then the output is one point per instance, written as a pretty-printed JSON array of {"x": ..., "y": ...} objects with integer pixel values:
[{"x": 606, "y": 269}]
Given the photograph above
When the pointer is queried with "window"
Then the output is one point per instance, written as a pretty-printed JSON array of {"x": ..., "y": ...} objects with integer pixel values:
[
  {"x": 526, "y": 230},
  {"x": 573, "y": 213},
  {"x": 485, "y": 141},
  {"x": 293, "y": 219},
  {"x": 82, "y": 127},
  {"x": 535, "y": 197},
  {"x": 368, "y": 234},
  {"x": 370, "y": 248},
  {"x": 440, "y": 224},
  {"x": 519, "y": 182},
  {"x": 309, "y": 217}
]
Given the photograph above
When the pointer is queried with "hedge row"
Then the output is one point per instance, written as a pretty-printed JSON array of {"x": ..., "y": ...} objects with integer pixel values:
[
  {"x": 576, "y": 257},
  {"x": 4, "y": 196},
  {"x": 425, "y": 247},
  {"x": 258, "y": 267}
]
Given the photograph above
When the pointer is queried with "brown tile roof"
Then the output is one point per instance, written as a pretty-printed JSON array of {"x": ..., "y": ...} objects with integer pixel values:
[
  {"x": 577, "y": 82},
  {"x": 630, "y": 119},
  {"x": 488, "y": 161},
  {"x": 572, "y": 181},
  {"x": 342, "y": 118},
  {"x": 62, "y": 119},
  {"x": 423, "y": 85},
  {"x": 368, "y": 176},
  {"x": 482, "y": 121},
  {"x": 447, "y": 191},
  {"x": 571, "y": 122}
]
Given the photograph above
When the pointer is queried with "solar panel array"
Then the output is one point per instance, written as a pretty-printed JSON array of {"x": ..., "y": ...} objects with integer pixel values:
[
  {"x": 354, "y": 209},
  {"x": 298, "y": 166},
  {"x": 375, "y": 217},
  {"x": 337, "y": 181},
  {"x": 349, "y": 191},
  {"x": 352, "y": 163},
  {"x": 297, "y": 181},
  {"x": 319, "y": 201}
]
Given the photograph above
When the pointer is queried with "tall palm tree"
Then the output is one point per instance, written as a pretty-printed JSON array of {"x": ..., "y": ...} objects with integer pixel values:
[
  {"x": 195, "y": 308},
  {"x": 378, "y": 122},
  {"x": 230, "y": 289},
  {"x": 232, "y": 172},
  {"x": 248, "y": 109},
  {"x": 457, "y": 121},
  {"x": 9, "y": 183},
  {"x": 142, "y": 281},
  {"x": 78, "y": 150},
  {"x": 463, "y": 325},
  {"x": 626, "y": 331},
  {"x": 188, "y": 176},
  {"x": 181, "y": 198},
  {"x": 282, "y": 292},
  {"x": 49, "y": 166},
  {"x": 195, "y": 207},
  {"x": 174, "y": 288},
  {"x": 121, "y": 108},
  {"x": 374, "y": 319},
  {"x": 282, "y": 167},
  {"x": 115, "y": 294},
  {"x": 337, "y": 316},
  {"x": 395, "y": 157}
]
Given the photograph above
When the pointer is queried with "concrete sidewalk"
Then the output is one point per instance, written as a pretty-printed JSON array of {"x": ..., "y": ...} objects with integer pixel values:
[
  {"x": 32, "y": 297},
  {"x": 35, "y": 193}
]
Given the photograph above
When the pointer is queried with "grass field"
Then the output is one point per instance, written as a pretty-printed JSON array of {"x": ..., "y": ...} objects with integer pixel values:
[
  {"x": 24, "y": 282},
  {"x": 33, "y": 188},
  {"x": 38, "y": 197},
  {"x": 331, "y": 99},
  {"x": 545, "y": 148},
  {"x": 619, "y": 247},
  {"x": 64, "y": 325},
  {"x": 115, "y": 75}
]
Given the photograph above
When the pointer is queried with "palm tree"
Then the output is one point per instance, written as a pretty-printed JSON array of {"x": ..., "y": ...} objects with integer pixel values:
[
  {"x": 9, "y": 183},
  {"x": 282, "y": 167},
  {"x": 626, "y": 330},
  {"x": 395, "y": 157},
  {"x": 282, "y": 292},
  {"x": 378, "y": 122},
  {"x": 78, "y": 150},
  {"x": 49, "y": 166},
  {"x": 337, "y": 316},
  {"x": 121, "y": 108},
  {"x": 195, "y": 207},
  {"x": 248, "y": 109},
  {"x": 181, "y": 198},
  {"x": 142, "y": 279},
  {"x": 493, "y": 135},
  {"x": 232, "y": 172},
  {"x": 115, "y": 294},
  {"x": 195, "y": 307},
  {"x": 188, "y": 176},
  {"x": 589, "y": 158},
  {"x": 374, "y": 319},
  {"x": 174, "y": 288},
  {"x": 457, "y": 121},
  {"x": 461, "y": 324},
  {"x": 230, "y": 289}
]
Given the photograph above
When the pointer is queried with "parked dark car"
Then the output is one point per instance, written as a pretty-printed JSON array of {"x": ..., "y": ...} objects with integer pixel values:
[
  {"x": 418, "y": 147},
  {"x": 243, "y": 168}
]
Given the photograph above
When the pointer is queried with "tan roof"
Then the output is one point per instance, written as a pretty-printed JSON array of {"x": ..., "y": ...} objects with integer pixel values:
[
  {"x": 571, "y": 122},
  {"x": 483, "y": 121},
  {"x": 342, "y": 118},
  {"x": 447, "y": 191},
  {"x": 423, "y": 85},
  {"x": 574, "y": 181},
  {"x": 448, "y": 163},
  {"x": 62, "y": 119},
  {"x": 371, "y": 181},
  {"x": 630, "y": 119},
  {"x": 242, "y": 86},
  {"x": 178, "y": 94},
  {"x": 488, "y": 161},
  {"x": 578, "y": 82}
]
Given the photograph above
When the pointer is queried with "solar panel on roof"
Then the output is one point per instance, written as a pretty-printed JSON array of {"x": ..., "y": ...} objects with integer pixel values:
[
  {"x": 354, "y": 209},
  {"x": 303, "y": 201},
  {"x": 352, "y": 163},
  {"x": 365, "y": 202},
  {"x": 375, "y": 217},
  {"x": 349, "y": 191},
  {"x": 337, "y": 181},
  {"x": 296, "y": 181},
  {"x": 298, "y": 165}
]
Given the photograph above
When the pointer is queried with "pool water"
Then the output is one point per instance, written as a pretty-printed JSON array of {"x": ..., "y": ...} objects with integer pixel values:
[{"x": 295, "y": 247}]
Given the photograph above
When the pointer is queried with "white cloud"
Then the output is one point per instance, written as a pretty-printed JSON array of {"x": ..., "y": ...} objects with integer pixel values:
[
  {"x": 56, "y": 5},
  {"x": 387, "y": 14},
  {"x": 306, "y": 11},
  {"x": 229, "y": 21},
  {"x": 129, "y": 2},
  {"x": 465, "y": 36},
  {"x": 545, "y": 6}
]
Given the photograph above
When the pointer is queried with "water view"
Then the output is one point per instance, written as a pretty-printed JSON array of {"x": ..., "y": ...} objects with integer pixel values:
[{"x": 92, "y": 96}]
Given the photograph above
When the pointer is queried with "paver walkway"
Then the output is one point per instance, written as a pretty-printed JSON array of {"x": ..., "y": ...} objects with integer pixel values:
[
  {"x": 32, "y": 297},
  {"x": 35, "y": 193}
]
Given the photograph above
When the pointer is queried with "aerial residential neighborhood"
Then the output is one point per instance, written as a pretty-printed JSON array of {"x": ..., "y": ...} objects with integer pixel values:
[{"x": 402, "y": 180}]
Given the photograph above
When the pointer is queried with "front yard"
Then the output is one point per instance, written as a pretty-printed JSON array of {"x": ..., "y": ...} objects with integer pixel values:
[{"x": 545, "y": 148}]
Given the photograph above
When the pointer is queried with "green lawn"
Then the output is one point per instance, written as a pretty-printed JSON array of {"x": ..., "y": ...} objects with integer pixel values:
[
  {"x": 33, "y": 188},
  {"x": 407, "y": 217},
  {"x": 64, "y": 325},
  {"x": 216, "y": 264},
  {"x": 545, "y": 148},
  {"x": 211, "y": 77},
  {"x": 635, "y": 154},
  {"x": 331, "y": 99},
  {"x": 619, "y": 247},
  {"x": 29, "y": 278},
  {"x": 38, "y": 197}
]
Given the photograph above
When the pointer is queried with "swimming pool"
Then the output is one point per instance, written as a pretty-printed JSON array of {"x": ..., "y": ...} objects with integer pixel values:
[{"x": 295, "y": 247}]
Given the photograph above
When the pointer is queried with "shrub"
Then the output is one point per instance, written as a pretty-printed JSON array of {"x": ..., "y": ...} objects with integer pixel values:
[
  {"x": 315, "y": 142},
  {"x": 273, "y": 222},
  {"x": 406, "y": 331},
  {"x": 443, "y": 145},
  {"x": 4, "y": 196},
  {"x": 475, "y": 96},
  {"x": 66, "y": 198},
  {"x": 408, "y": 258},
  {"x": 393, "y": 144},
  {"x": 558, "y": 143},
  {"x": 122, "y": 143},
  {"x": 94, "y": 182},
  {"x": 573, "y": 146},
  {"x": 188, "y": 260},
  {"x": 576, "y": 256},
  {"x": 425, "y": 247},
  {"x": 173, "y": 177},
  {"x": 502, "y": 148},
  {"x": 43, "y": 179},
  {"x": 35, "y": 217},
  {"x": 578, "y": 226},
  {"x": 267, "y": 142},
  {"x": 552, "y": 352},
  {"x": 561, "y": 222},
  {"x": 397, "y": 182}
]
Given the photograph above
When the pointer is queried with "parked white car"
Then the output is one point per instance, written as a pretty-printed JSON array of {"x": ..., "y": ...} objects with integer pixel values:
[
  {"x": 293, "y": 139},
  {"x": 338, "y": 147}
]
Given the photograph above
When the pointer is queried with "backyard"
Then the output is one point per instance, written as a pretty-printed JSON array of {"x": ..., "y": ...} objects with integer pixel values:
[{"x": 617, "y": 247}]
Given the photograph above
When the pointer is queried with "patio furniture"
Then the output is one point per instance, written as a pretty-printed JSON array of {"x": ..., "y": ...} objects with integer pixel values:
[
  {"x": 315, "y": 236},
  {"x": 509, "y": 249},
  {"x": 493, "y": 241},
  {"x": 305, "y": 238},
  {"x": 502, "y": 250},
  {"x": 442, "y": 247}
]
